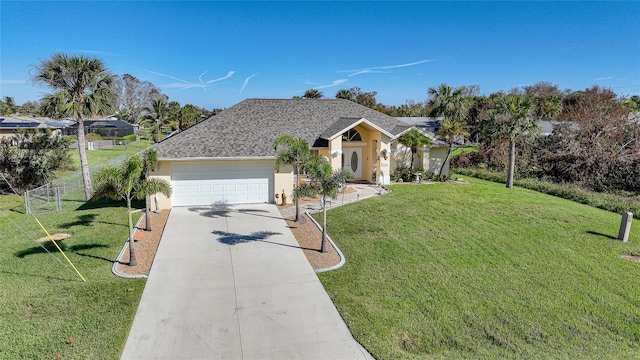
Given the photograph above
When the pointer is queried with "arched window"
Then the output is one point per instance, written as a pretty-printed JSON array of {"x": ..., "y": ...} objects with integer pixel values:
[{"x": 351, "y": 135}]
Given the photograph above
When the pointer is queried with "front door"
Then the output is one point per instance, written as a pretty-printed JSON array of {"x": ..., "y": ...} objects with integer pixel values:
[{"x": 352, "y": 160}]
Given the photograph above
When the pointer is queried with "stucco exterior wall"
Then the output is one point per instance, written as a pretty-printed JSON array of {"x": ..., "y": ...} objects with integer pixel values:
[
  {"x": 383, "y": 170},
  {"x": 283, "y": 182},
  {"x": 429, "y": 159},
  {"x": 163, "y": 172},
  {"x": 433, "y": 160}
]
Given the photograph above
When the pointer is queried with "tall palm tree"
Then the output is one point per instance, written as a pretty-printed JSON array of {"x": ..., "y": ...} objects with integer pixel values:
[
  {"x": 296, "y": 153},
  {"x": 511, "y": 121},
  {"x": 450, "y": 129},
  {"x": 82, "y": 86},
  {"x": 413, "y": 139},
  {"x": 324, "y": 182},
  {"x": 158, "y": 112},
  {"x": 448, "y": 102},
  {"x": 454, "y": 107},
  {"x": 129, "y": 182}
]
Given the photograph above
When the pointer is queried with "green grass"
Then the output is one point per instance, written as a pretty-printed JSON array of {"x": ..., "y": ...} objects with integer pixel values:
[
  {"x": 460, "y": 149},
  {"x": 451, "y": 271},
  {"x": 95, "y": 157},
  {"x": 43, "y": 301}
]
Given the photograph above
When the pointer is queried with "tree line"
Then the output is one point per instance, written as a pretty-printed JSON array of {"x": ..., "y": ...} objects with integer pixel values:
[{"x": 595, "y": 141}]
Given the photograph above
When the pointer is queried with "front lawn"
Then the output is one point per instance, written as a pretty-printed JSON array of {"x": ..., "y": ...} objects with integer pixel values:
[
  {"x": 452, "y": 270},
  {"x": 43, "y": 302}
]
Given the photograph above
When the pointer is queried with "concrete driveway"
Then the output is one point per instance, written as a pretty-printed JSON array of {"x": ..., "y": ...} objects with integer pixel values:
[{"x": 230, "y": 282}]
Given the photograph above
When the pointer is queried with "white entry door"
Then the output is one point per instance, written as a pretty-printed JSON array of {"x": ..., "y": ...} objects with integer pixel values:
[{"x": 352, "y": 160}]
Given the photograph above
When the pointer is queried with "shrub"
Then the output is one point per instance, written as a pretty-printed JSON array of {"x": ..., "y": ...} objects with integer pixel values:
[
  {"x": 405, "y": 174},
  {"x": 93, "y": 136},
  {"x": 130, "y": 137}
]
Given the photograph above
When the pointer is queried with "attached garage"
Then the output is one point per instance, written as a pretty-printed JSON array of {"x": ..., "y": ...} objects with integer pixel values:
[{"x": 231, "y": 182}]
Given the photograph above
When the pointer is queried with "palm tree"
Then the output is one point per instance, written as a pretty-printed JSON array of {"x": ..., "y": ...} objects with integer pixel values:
[
  {"x": 511, "y": 121},
  {"x": 450, "y": 129},
  {"x": 454, "y": 107},
  {"x": 297, "y": 152},
  {"x": 448, "y": 102},
  {"x": 344, "y": 94},
  {"x": 413, "y": 139},
  {"x": 313, "y": 94},
  {"x": 158, "y": 111},
  {"x": 325, "y": 182},
  {"x": 129, "y": 182},
  {"x": 82, "y": 87}
]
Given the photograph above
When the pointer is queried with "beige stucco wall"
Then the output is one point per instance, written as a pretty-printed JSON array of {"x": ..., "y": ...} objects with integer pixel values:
[
  {"x": 373, "y": 142},
  {"x": 163, "y": 172},
  {"x": 283, "y": 182},
  {"x": 429, "y": 159},
  {"x": 432, "y": 160}
]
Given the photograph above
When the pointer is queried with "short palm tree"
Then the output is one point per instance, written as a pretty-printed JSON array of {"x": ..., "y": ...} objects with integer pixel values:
[
  {"x": 450, "y": 129},
  {"x": 128, "y": 182},
  {"x": 296, "y": 152},
  {"x": 413, "y": 139},
  {"x": 511, "y": 121},
  {"x": 325, "y": 182},
  {"x": 82, "y": 86}
]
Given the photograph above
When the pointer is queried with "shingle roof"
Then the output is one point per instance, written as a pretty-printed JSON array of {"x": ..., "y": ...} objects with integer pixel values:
[{"x": 249, "y": 128}]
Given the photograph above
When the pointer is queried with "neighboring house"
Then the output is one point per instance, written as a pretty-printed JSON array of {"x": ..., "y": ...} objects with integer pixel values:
[
  {"x": 104, "y": 127},
  {"x": 428, "y": 124},
  {"x": 548, "y": 126},
  {"x": 230, "y": 157},
  {"x": 9, "y": 125}
]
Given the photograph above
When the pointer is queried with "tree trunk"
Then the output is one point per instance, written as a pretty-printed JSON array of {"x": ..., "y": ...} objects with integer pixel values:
[
  {"x": 413, "y": 156},
  {"x": 132, "y": 250},
  {"x": 84, "y": 165},
  {"x": 323, "y": 246},
  {"x": 445, "y": 163},
  {"x": 512, "y": 163},
  {"x": 147, "y": 215}
]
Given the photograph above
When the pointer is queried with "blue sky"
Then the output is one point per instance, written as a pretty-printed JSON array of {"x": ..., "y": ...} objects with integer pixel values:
[{"x": 215, "y": 54}]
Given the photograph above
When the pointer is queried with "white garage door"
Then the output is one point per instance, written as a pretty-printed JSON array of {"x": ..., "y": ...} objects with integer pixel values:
[{"x": 232, "y": 182}]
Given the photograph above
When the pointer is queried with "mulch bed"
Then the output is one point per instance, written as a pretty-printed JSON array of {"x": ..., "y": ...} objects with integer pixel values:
[
  {"x": 309, "y": 238},
  {"x": 146, "y": 243}
]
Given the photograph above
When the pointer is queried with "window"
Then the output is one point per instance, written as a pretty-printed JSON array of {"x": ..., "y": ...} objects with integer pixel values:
[{"x": 351, "y": 135}]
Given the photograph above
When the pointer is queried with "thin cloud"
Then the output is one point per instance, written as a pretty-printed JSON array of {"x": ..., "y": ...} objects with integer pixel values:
[
  {"x": 184, "y": 85},
  {"x": 603, "y": 78},
  {"x": 377, "y": 69},
  {"x": 165, "y": 75},
  {"x": 365, "y": 72},
  {"x": 246, "y": 81},
  {"x": 229, "y": 74},
  {"x": 335, "y": 83}
]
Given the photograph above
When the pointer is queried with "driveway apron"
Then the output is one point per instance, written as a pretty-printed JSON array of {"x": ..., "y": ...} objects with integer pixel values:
[{"x": 230, "y": 282}]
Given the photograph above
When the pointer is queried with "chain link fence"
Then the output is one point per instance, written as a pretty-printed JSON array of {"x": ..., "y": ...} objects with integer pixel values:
[{"x": 65, "y": 192}]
